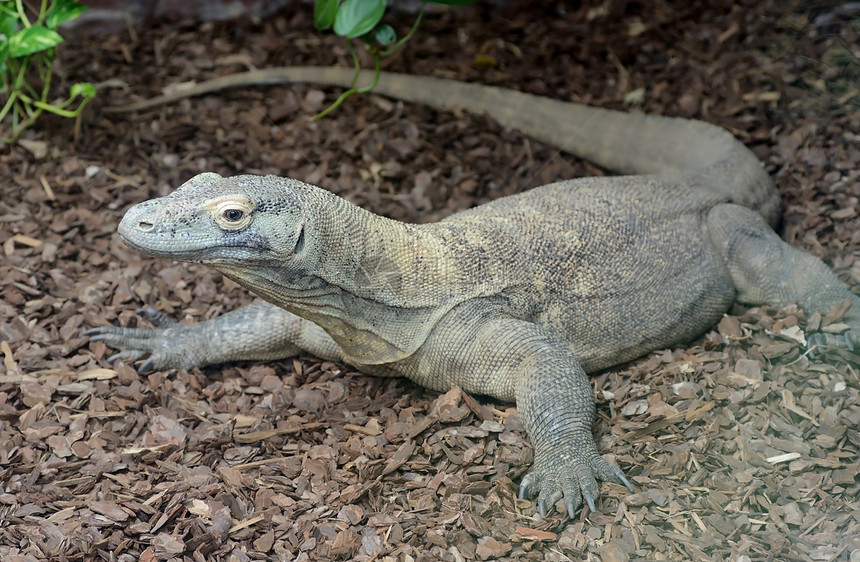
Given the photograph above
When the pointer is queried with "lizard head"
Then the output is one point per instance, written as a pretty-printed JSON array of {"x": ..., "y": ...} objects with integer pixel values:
[{"x": 224, "y": 222}]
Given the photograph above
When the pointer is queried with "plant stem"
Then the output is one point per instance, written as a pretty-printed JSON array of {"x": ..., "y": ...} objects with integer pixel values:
[
  {"x": 57, "y": 110},
  {"x": 377, "y": 73},
  {"x": 9, "y": 103},
  {"x": 43, "y": 12},
  {"x": 406, "y": 37},
  {"x": 21, "y": 14},
  {"x": 377, "y": 60}
]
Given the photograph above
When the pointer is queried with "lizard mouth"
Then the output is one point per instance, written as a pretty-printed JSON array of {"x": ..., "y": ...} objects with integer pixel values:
[
  {"x": 189, "y": 251},
  {"x": 166, "y": 250},
  {"x": 146, "y": 238}
]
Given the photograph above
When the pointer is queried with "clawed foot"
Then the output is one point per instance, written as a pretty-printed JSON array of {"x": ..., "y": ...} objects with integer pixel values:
[
  {"x": 849, "y": 340},
  {"x": 161, "y": 343},
  {"x": 572, "y": 477}
]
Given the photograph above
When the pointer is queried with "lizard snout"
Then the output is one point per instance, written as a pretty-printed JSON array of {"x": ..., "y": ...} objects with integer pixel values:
[
  {"x": 142, "y": 229},
  {"x": 137, "y": 219}
]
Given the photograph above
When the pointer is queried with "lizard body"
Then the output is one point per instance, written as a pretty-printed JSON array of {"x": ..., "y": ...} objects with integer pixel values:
[{"x": 518, "y": 298}]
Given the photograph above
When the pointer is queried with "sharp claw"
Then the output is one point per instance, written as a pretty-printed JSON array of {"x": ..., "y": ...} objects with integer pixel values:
[
  {"x": 542, "y": 509},
  {"x": 571, "y": 508},
  {"x": 590, "y": 501},
  {"x": 98, "y": 337},
  {"x": 624, "y": 480},
  {"x": 128, "y": 356},
  {"x": 147, "y": 366}
]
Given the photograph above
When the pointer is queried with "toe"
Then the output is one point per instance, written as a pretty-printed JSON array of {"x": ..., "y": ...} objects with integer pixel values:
[
  {"x": 148, "y": 365},
  {"x": 156, "y": 317},
  {"x": 529, "y": 485},
  {"x": 550, "y": 492},
  {"x": 848, "y": 340},
  {"x": 589, "y": 499},
  {"x": 573, "y": 478},
  {"x": 609, "y": 473},
  {"x": 573, "y": 498}
]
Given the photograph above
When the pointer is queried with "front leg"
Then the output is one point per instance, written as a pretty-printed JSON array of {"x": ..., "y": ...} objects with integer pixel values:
[
  {"x": 518, "y": 361},
  {"x": 259, "y": 331},
  {"x": 556, "y": 405}
]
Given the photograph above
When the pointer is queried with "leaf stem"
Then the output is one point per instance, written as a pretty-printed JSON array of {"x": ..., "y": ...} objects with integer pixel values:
[
  {"x": 409, "y": 35},
  {"x": 22, "y": 14}
]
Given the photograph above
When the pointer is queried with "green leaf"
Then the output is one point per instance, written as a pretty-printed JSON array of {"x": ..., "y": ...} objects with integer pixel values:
[
  {"x": 357, "y": 17},
  {"x": 451, "y": 2},
  {"x": 63, "y": 11},
  {"x": 8, "y": 25},
  {"x": 385, "y": 35},
  {"x": 324, "y": 13},
  {"x": 33, "y": 40},
  {"x": 83, "y": 89}
]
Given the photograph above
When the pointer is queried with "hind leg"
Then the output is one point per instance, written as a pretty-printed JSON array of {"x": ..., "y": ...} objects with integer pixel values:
[{"x": 766, "y": 270}]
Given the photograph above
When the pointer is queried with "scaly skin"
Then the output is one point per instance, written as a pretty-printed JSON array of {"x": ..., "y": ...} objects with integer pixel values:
[{"x": 518, "y": 298}]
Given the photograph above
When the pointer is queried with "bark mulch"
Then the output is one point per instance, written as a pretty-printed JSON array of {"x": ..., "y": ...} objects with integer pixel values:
[{"x": 740, "y": 445}]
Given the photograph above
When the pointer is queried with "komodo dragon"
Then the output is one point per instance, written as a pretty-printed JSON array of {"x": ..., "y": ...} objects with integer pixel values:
[{"x": 518, "y": 298}]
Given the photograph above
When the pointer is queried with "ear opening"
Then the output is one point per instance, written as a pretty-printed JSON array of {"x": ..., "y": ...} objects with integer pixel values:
[{"x": 300, "y": 243}]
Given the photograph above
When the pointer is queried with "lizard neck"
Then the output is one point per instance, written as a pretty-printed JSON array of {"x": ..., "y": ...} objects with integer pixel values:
[
  {"x": 373, "y": 258},
  {"x": 376, "y": 285}
]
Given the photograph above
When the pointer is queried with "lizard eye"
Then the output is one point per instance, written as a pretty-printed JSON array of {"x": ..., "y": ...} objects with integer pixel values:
[{"x": 232, "y": 214}]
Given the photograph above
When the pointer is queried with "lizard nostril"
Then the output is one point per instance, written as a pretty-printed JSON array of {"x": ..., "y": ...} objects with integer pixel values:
[{"x": 143, "y": 225}]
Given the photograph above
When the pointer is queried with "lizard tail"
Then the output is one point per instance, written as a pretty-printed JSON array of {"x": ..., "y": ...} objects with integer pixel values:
[{"x": 626, "y": 143}]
